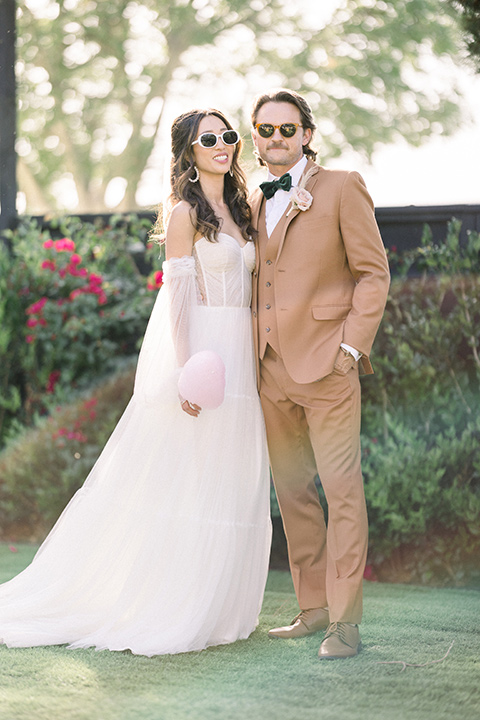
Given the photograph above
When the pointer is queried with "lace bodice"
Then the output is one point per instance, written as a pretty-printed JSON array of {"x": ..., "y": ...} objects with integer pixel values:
[{"x": 224, "y": 271}]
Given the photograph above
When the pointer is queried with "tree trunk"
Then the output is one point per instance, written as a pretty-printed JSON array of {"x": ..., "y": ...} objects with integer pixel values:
[{"x": 8, "y": 180}]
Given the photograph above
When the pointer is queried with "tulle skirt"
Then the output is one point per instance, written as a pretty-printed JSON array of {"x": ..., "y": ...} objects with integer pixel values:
[{"x": 165, "y": 548}]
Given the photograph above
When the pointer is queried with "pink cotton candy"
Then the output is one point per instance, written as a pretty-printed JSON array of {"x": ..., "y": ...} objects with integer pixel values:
[{"x": 202, "y": 380}]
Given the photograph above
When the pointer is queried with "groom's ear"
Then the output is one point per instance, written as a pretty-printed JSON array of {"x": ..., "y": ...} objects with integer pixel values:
[
  {"x": 254, "y": 136},
  {"x": 307, "y": 136}
]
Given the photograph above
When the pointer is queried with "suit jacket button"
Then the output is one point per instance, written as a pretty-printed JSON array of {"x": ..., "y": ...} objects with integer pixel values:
[
  {"x": 254, "y": 314},
  {"x": 268, "y": 307},
  {"x": 268, "y": 262},
  {"x": 268, "y": 284},
  {"x": 267, "y": 329}
]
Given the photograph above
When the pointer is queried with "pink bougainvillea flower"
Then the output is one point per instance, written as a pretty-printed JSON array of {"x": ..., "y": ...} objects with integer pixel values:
[
  {"x": 81, "y": 437},
  {"x": 95, "y": 279},
  {"x": 155, "y": 282},
  {"x": 36, "y": 307},
  {"x": 48, "y": 244},
  {"x": 102, "y": 299},
  {"x": 64, "y": 244},
  {"x": 75, "y": 259},
  {"x": 75, "y": 293},
  {"x": 30, "y": 339},
  {"x": 42, "y": 322},
  {"x": 48, "y": 265},
  {"x": 32, "y": 322},
  {"x": 53, "y": 378},
  {"x": 12, "y": 548},
  {"x": 90, "y": 403},
  {"x": 369, "y": 574}
]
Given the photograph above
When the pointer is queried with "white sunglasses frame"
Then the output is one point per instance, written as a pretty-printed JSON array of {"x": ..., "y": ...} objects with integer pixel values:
[{"x": 209, "y": 147}]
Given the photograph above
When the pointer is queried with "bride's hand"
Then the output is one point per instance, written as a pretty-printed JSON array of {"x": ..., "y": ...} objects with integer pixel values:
[{"x": 190, "y": 408}]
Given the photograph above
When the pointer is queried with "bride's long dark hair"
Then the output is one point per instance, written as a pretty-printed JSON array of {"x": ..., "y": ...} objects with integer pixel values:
[{"x": 182, "y": 171}]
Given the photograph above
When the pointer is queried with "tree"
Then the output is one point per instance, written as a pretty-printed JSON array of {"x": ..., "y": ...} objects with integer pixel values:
[
  {"x": 470, "y": 21},
  {"x": 98, "y": 79}
]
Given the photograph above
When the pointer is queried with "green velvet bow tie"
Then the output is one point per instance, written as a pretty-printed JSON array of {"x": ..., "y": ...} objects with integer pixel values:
[{"x": 270, "y": 188}]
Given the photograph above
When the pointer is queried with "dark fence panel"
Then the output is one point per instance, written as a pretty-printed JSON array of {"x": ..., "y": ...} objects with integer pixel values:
[{"x": 402, "y": 227}]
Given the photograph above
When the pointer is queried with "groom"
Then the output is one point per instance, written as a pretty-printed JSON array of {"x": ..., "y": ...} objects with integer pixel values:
[{"x": 321, "y": 286}]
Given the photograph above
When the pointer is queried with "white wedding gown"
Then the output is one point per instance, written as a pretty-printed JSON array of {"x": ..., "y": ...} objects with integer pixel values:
[{"x": 165, "y": 548}]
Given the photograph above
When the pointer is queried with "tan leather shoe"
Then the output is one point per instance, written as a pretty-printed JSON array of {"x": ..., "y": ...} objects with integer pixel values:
[
  {"x": 341, "y": 640},
  {"x": 307, "y": 622}
]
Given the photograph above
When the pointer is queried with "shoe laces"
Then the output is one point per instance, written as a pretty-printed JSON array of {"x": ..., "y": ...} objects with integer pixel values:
[
  {"x": 300, "y": 616},
  {"x": 339, "y": 629}
]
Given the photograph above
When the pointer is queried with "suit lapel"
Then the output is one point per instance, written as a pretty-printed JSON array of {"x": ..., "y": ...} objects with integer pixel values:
[
  {"x": 277, "y": 238},
  {"x": 285, "y": 221}
]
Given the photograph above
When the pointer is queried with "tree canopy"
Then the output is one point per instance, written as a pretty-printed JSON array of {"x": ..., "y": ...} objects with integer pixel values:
[
  {"x": 470, "y": 21},
  {"x": 98, "y": 78}
]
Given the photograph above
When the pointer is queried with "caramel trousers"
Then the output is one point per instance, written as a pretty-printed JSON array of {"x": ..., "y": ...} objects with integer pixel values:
[{"x": 316, "y": 427}]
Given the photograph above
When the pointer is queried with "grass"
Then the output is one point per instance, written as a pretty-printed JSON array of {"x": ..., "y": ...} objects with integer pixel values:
[{"x": 263, "y": 678}]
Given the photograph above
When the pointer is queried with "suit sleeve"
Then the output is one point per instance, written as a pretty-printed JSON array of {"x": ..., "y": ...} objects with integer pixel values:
[{"x": 367, "y": 261}]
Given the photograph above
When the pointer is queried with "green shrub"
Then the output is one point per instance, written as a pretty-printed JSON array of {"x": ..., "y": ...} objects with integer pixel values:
[
  {"x": 42, "y": 468},
  {"x": 421, "y": 427},
  {"x": 420, "y": 430},
  {"x": 70, "y": 309},
  {"x": 421, "y": 488}
]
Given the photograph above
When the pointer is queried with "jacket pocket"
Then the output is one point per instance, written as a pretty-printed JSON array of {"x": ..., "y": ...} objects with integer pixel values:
[{"x": 330, "y": 312}]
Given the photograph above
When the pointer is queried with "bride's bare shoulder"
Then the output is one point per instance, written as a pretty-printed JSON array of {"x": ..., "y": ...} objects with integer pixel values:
[{"x": 180, "y": 231}]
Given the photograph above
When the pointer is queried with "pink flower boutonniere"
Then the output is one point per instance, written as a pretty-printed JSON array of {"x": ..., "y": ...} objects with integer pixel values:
[{"x": 301, "y": 198}]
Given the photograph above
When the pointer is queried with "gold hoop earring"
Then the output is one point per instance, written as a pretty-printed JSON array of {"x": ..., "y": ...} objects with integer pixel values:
[{"x": 197, "y": 176}]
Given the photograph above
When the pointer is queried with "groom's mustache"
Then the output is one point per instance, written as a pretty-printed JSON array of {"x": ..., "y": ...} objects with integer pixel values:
[{"x": 276, "y": 146}]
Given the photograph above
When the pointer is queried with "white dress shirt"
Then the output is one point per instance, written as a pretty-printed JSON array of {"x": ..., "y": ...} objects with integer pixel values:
[{"x": 277, "y": 205}]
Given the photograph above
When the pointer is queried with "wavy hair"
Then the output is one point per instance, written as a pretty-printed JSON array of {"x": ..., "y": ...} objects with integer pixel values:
[
  {"x": 182, "y": 170},
  {"x": 288, "y": 96}
]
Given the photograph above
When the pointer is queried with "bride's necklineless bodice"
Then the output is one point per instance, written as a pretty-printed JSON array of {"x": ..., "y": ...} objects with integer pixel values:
[{"x": 224, "y": 270}]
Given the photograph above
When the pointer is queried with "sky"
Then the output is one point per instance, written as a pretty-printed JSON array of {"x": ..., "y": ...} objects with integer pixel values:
[{"x": 443, "y": 171}]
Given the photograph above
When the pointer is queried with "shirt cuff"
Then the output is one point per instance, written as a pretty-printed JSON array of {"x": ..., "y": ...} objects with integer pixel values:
[{"x": 357, "y": 355}]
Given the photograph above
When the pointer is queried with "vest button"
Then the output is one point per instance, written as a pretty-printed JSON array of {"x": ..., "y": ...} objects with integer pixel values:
[
  {"x": 268, "y": 262},
  {"x": 254, "y": 314},
  {"x": 268, "y": 307},
  {"x": 268, "y": 284},
  {"x": 267, "y": 329}
]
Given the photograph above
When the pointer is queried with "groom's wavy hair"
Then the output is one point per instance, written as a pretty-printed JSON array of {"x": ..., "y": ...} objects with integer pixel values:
[
  {"x": 287, "y": 96},
  {"x": 183, "y": 171}
]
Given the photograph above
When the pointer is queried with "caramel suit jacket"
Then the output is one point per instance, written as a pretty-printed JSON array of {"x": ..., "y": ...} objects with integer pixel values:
[{"x": 330, "y": 275}]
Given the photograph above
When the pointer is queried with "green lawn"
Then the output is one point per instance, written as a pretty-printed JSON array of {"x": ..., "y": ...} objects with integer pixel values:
[{"x": 263, "y": 678}]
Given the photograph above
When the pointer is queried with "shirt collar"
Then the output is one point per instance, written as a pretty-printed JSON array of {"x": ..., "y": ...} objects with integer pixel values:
[{"x": 296, "y": 171}]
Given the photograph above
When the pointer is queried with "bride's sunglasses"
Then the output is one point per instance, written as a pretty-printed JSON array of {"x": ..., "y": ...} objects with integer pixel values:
[
  {"x": 210, "y": 139},
  {"x": 266, "y": 130}
]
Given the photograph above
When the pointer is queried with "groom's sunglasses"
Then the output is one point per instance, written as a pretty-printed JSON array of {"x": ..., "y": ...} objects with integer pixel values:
[
  {"x": 288, "y": 130},
  {"x": 209, "y": 139}
]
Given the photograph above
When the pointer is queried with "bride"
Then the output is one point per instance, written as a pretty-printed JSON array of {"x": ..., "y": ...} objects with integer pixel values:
[{"x": 165, "y": 548}]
